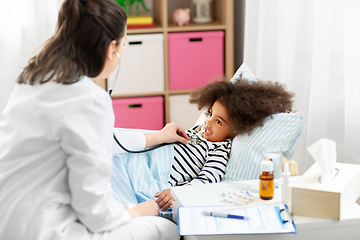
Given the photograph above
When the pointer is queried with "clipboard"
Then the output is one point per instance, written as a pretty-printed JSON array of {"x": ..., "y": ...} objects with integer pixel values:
[{"x": 261, "y": 219}]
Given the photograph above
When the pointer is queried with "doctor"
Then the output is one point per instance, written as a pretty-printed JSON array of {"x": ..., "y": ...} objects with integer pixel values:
[{"x": 56, "y": 138}]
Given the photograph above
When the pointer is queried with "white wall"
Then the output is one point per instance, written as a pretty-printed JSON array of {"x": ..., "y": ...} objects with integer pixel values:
[
  {"x": 313, "y": 48},
  {"x": 23, "y": 29}
]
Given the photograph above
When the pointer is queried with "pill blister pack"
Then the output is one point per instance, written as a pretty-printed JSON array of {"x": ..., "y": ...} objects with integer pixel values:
[{"x": 238, "y": 197}]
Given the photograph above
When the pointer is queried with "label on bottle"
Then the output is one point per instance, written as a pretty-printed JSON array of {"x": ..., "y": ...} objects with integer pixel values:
[{"x": 266, "y": 189}]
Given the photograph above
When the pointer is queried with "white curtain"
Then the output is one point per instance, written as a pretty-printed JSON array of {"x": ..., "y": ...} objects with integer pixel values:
[
  {"x": 24, "y": 26},
  {"x": 313, "y": 46}
]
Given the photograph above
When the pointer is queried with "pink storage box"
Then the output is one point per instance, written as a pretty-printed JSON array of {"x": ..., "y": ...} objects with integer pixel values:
[
  {"x": 142, "y": 113},
  {"x": 195, "y": 58}
]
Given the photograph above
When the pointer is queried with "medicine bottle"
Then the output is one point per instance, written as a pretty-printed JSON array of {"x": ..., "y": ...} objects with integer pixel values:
[
  {"x": 266, "y": 189},
  {"x": 285, "y": 188}
]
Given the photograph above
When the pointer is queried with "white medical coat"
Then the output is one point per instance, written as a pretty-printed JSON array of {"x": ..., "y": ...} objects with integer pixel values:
[{"x": 56, "y": 148}]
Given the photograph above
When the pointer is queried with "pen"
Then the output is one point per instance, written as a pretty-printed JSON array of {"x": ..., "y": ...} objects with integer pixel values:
[{"x": 225, "y": 215}]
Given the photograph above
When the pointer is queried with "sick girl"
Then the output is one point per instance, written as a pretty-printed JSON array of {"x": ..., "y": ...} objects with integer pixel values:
[{"x": 232, "y": 108}]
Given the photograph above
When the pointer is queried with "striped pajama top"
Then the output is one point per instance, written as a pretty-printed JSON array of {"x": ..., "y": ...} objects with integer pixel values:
[{"x": 199, "y": 161}]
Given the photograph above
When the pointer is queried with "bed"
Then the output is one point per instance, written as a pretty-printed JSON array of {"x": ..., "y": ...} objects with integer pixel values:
[{"x": 137, "y": 177}]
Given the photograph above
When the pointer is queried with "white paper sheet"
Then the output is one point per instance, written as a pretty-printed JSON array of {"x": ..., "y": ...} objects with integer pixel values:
[{"x": 262, "y": 219}]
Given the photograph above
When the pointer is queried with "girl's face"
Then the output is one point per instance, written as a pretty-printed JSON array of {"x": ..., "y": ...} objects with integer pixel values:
[{"x": 216, "y": 128}]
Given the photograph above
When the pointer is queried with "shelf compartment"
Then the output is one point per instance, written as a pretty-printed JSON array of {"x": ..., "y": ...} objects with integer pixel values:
[
  {"x": 219, "y": 9},
  {"x": 187, "y": 120}
]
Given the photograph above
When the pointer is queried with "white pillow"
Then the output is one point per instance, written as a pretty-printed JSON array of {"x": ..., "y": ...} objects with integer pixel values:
[
  {"x": 246, "y": 73},
  {"x": 245, "y": 157}
]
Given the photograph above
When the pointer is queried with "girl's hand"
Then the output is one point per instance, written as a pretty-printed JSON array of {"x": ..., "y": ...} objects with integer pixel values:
[
  {"x": 170, "y": 133},
  {"x": 165, "y": 199},
  {"x": 148, "y": 208}
]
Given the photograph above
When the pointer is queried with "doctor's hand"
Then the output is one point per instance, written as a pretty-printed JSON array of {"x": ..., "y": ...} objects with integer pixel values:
[
  {"x": 147, "y": 208},
  {"x": 170, "y": 133},
  {"x": 165, "y": 199},
  {"x": 173, "y": 133}
]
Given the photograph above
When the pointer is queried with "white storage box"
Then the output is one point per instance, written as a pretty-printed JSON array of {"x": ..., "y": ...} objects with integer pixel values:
[
  {"x": 182, "y": 112},
  {"x": 142, "y": 65}
]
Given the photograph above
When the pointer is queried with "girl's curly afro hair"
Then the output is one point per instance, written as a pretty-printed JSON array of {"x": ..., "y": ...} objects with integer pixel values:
[{"x": 248, "y": 102}]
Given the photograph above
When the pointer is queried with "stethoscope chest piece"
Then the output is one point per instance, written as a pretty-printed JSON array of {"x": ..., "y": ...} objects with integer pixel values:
[{"x": 194, "y": 140}]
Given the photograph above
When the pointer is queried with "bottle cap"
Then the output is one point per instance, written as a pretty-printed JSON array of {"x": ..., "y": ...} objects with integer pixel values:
[
  {"x": 267, "y": 166},
  {"x": 286, "y": 172}
]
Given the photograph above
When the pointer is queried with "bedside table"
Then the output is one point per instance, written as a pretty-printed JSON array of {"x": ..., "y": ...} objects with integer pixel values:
[{"x": 307, "y": 227}]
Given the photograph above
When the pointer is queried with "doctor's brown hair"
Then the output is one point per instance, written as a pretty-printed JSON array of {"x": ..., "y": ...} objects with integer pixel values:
[
  {"x": 248, "y": 102},
  {"x": 84, "y": 31}
]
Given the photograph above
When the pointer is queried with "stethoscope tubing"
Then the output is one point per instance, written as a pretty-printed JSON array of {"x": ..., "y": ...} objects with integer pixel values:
[{"x": 115, "y": 138}]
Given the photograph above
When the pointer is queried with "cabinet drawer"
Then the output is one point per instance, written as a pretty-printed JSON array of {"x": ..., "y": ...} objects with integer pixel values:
[
  {"x": 142, "y": 113},
  {"x": 142, "y": 65},
  {"x": 195, "y": 58}
]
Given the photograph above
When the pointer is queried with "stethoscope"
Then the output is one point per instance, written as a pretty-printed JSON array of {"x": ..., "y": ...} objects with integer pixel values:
[{"x": 116, "y": 140}]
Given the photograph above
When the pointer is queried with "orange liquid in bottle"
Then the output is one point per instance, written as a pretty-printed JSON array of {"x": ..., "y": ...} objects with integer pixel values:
[{"x": 266, "y": 190}]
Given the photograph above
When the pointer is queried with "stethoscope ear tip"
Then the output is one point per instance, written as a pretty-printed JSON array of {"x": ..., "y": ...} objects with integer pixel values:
[
  {"x": 116, "y": 53},
  {"x": 117, "y": 73}
]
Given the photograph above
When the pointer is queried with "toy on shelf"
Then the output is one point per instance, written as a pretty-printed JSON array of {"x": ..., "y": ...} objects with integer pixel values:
[
  {"x": 202, "y": 11},
  {"x": 138, "y": 20},
  {"x": 127, "y": 5},
  {"x": 181, "y": 17}
]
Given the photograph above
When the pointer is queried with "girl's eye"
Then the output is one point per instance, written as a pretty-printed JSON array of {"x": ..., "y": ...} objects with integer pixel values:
[
  {"x": 210, "y": 114},
  {"x": 218, "y": 122}
]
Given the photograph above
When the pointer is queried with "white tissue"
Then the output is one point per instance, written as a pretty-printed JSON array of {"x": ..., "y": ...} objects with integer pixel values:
[{"x": 324, "y": 153}]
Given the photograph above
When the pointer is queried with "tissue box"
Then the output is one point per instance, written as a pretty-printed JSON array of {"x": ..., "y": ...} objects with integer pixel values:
[{"x": 330, "y": 200}]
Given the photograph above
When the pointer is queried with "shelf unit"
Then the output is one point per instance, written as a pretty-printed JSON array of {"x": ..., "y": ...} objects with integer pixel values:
[{"x": 223, "y": 19}]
